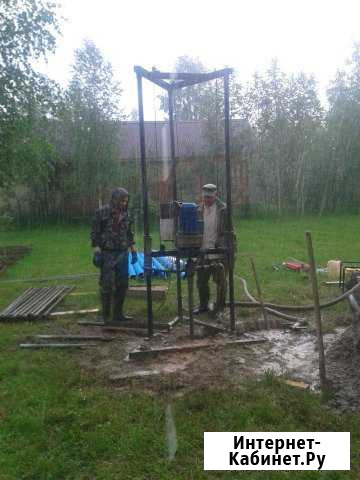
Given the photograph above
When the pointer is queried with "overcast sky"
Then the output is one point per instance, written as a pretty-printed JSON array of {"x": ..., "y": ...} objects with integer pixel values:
[{"x": 314, "y": 36}]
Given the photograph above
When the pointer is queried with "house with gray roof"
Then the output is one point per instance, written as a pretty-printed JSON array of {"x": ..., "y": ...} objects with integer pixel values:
[{"x": 200, "y": 156}]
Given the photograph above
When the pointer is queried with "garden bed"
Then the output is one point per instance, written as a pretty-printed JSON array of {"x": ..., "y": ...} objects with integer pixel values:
[{"x": 11, "y": 254}]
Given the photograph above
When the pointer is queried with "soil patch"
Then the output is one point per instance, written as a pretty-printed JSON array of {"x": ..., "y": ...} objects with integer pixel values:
[
  {"x": 343, "y": 367},
  {"x": 11, "y": 254},
  {"x": 288, "y": 353}
]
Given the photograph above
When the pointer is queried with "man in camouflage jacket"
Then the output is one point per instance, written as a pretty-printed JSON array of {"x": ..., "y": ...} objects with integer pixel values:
[{"x": 111, "y": 237}]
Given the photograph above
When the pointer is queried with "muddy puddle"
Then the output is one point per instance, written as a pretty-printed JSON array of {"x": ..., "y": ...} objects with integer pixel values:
[
  {"x": 289, "y": 353},
  {"x": 295, "y": 355}
]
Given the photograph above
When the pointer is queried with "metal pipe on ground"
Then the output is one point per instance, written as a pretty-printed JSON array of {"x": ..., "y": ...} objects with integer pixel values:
[
  {"x": 58, "y": 300},
  {"x": 298, "y": 308},
  {"x": 269, "y": 310},
  {"x": 45, "y": 298},
  {"x": 259, "y": 293},
  {"x": 35, "y": 301},
  {"x": 51, "y": 300},
  {"x": 17, "y": 301},
  {"x": 44, "y": 301},
  {"x": 24, "y": 307}
]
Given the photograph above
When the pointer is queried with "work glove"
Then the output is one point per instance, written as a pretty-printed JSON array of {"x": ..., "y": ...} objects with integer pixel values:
[
  {"x": 97, "y": 259},
  {"x": 134, "y": 258}
]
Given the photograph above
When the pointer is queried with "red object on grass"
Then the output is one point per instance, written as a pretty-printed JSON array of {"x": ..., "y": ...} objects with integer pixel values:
[{"x": 296, "y": 266}]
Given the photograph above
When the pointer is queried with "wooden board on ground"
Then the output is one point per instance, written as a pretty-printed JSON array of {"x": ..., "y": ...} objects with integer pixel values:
[
  {"x": 141, "y": 354},
  {"x": 116, "y": 328},
  {"x": 144, "y": 325},
  {"x": 297, "y": 384},
  {"x": 57, "y": 345},
  {"x": 90, "y": 323},
  {"x": 95, "y": 338},
  {"x": 133, "y": 324},
  {"x": 74, "y": 312},
  {"x": 210, "y": 326}
]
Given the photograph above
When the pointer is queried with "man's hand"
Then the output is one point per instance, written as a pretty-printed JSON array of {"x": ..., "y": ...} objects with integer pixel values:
[
  {"x": 97, "y": 257},
  {"x": 134, "y": 257}
]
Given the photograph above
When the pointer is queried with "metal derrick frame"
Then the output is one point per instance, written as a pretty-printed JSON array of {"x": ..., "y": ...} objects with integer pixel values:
[{"x": 172, "y": 82}]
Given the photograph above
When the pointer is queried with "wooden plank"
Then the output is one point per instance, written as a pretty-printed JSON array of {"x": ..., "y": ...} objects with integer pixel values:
[
  {"x": 157, "y": 291},
  {"x": 210, "y": 326},
  {"x": 172, "y": 323},
  {"x": 144, "y": 325},
  {"x": 115, "y": 328},
  {"x": 287, "y": 324},
  {"x": 297, "y": 384},
  {"x": 74, "y": 312},
  {"x": 75, "y": 337},
  {"x": 90, "y": 323},
  {"x": 130, "y": 325},
  {"x": 57, "y": 345},
  {"x": 141, "y": 354}
]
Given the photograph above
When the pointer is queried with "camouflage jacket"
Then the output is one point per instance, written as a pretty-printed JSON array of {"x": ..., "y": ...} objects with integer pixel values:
[{"x": 105, "y": 236}]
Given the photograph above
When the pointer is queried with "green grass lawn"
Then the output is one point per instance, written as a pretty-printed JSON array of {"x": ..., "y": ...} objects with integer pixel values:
[{"x": 58, "y": 422}]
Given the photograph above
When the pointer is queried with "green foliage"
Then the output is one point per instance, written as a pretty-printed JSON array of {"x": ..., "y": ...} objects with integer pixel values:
[
  {"x": 27, "y": 99},
  {"x": 341, "y": 168},
  {"x": 28, "y": 31},
  {"x": 89, "y": 120},
  {"x": 286, "y": 115}
]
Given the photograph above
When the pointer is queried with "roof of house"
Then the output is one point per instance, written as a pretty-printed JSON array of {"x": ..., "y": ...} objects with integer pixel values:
[{"x": 190, "y": 138}]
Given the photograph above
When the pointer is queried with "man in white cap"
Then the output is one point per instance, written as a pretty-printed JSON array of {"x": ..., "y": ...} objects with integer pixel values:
[{"x": 214, "y": 215}]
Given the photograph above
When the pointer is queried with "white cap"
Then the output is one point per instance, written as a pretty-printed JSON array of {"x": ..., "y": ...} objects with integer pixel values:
[{"x": 209, "y": 190}]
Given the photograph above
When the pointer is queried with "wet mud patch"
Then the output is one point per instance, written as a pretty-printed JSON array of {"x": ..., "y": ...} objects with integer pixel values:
[
  {"x": 287, "y": 353},
  {"x": 11, "y": 254},
  {"x": 343, "y": 372},
  {"x": 295, "y": 354}
]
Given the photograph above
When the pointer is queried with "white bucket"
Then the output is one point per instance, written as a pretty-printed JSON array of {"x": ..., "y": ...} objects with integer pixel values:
[{"x": 333, "y": 269}]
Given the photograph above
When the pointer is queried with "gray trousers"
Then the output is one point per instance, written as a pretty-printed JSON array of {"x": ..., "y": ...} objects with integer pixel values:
[{"x": 216, "y": 270}]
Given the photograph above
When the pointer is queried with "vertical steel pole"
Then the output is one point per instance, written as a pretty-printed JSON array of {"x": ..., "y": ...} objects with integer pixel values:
[
  {"x": 147, "y": 237},
  {"x": 230, "y": 233},
  {"x": 174, "y": 194},
  {"x": 190, "y": 279}
]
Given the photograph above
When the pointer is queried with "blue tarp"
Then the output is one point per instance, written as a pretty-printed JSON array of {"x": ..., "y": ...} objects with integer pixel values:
[{"x": 161, "y": 266}]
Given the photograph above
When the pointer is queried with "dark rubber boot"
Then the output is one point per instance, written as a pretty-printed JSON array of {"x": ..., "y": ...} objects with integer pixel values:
[
  {"x": 119, "y": 299},
  {"x": 220, "y": 280},
  {"x": 106, "y": 307},
  {"x": 200, "y": 309}
]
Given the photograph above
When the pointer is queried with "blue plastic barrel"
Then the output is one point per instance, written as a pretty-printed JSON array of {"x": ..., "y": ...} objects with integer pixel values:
[{"x": 188, "y": 218}]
